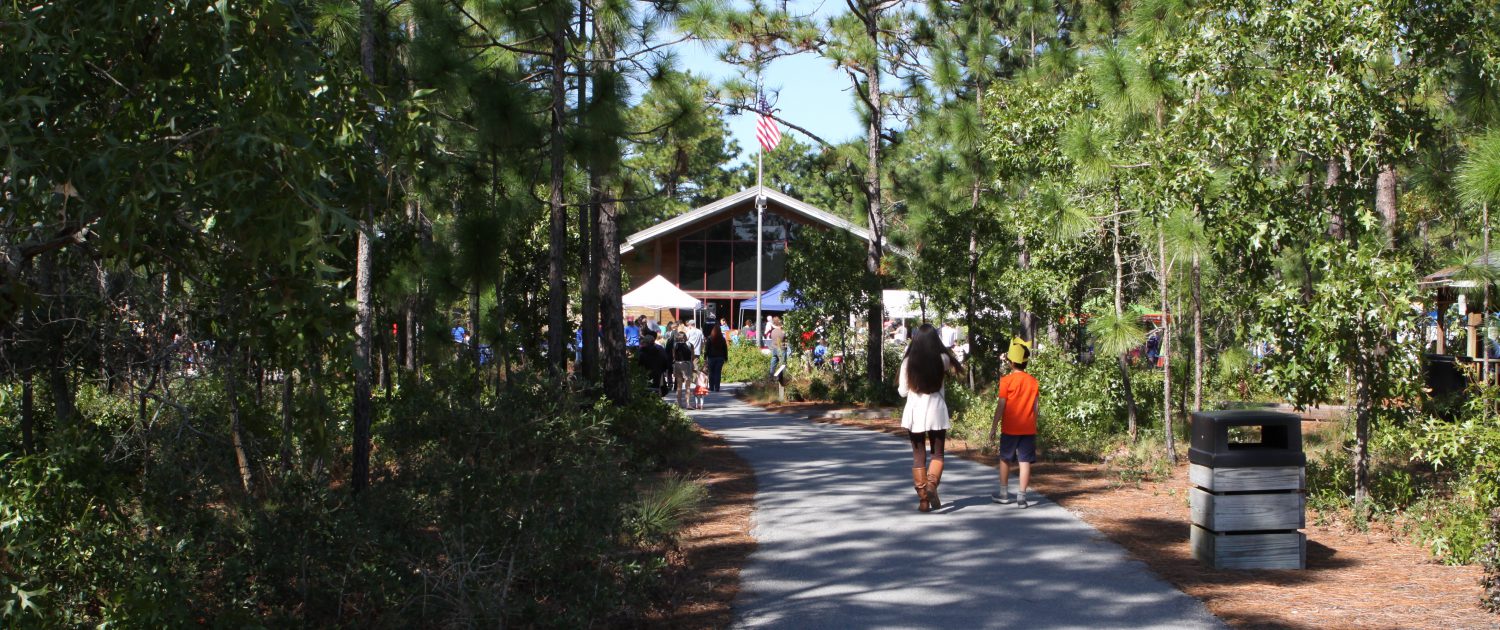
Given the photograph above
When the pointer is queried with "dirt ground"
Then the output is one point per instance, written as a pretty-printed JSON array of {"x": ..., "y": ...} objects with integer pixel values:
[
  {"x": 703, "y": 576},
  {"x": 1354, "y": 579}
]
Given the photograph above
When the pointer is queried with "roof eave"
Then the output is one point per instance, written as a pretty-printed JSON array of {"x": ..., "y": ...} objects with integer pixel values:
[{"x": 798, "y": 206}]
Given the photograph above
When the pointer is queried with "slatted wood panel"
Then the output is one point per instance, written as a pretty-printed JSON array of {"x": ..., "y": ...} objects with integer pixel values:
[
  {"x": 1250, "y": 551},
  {"x": 1248, "y": 479},
  {"x": 1247, "y": 512}
]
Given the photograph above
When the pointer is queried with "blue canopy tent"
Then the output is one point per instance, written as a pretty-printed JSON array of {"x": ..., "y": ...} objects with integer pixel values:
[{"x": 777, "y": 298}]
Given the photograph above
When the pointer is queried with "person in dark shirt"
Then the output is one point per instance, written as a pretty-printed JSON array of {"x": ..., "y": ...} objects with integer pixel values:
[
  {"x": 716, "y": 351},
  {"x": 653, "y": 359}
]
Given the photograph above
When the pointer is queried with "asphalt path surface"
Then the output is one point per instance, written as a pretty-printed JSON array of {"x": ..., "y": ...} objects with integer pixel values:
[{"x": 842, "y": 545}]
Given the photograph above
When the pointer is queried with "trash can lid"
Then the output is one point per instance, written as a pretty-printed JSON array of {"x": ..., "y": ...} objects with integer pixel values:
[{"x": 1280, "y": 439}]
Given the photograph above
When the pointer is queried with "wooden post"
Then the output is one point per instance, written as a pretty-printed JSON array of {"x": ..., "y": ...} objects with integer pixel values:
[
  {"x": 1472, "y": 326},
  {"x": 1442, "y": 326}
]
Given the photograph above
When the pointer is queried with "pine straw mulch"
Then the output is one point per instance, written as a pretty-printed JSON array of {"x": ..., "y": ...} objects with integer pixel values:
[
  {"x": 703, "y": 572},
  {"x": 1354, "y": 579}
]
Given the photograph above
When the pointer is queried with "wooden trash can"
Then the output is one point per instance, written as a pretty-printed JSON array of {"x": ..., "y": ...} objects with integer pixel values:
[{"x": 1248, "y": 497}]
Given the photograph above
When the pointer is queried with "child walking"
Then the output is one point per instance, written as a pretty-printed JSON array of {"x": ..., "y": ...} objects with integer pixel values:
[
  {"x": 700, "y": 385},
  {"x": 1016, "y": 415}
]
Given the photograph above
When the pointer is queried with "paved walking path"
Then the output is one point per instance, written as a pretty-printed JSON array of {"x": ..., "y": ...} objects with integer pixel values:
[{"x": 841, "y": 544}]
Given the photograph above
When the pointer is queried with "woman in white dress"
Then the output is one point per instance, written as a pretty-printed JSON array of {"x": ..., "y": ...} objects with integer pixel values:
[{"x": 926, "y": 365}]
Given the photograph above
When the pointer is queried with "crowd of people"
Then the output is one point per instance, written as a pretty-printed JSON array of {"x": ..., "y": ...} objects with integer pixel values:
[
  {"x": 679, "y": 358},
  {"x": 683, "y": 358}
]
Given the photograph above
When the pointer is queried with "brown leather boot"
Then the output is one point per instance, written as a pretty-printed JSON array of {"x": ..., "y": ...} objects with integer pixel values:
[
  {"x": 934, "y": 476},
  {"x": 919, "y": 479}
]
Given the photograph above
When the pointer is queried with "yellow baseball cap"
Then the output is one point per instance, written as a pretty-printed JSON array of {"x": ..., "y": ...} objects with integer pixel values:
[{"x": 1020, "y": 349}]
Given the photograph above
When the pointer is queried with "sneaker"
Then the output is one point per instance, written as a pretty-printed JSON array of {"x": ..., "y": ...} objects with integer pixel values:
[
  {"x": 1021, "y": 500},
  {"x": 1004, "y": 499}
]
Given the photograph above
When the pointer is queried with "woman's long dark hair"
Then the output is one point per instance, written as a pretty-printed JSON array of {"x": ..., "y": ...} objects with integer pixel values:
[
  {"x": 714, "y": 332},
  {"x": 924, "y": 361}
]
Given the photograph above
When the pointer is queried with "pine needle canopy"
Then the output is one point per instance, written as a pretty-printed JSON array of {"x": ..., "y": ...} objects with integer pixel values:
[{"x": 1479, "y": 175}]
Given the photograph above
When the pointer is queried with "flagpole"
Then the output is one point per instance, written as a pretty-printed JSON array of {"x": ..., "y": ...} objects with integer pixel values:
[{"x": 760, "y": 210}]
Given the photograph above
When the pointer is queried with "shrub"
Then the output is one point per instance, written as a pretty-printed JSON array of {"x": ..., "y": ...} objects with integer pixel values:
[
  {"x": 820, "y": 387},
  {"x": 1145, "y": 460},
  {"x": 524, "y": 508},
  {"x": 972, "y": 413},
  {"x": 746, "y": 363},
  {"x": 851, "y": 386},
  {"x": 657, "y": 515},
  {"x": 1456, "y": 532},
  {"x": 1490, "y": 560},
  {"x": 1082, "y": 406}
]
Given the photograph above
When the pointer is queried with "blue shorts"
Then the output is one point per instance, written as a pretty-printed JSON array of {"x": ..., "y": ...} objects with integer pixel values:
[{"x": 1018, "y": 448}]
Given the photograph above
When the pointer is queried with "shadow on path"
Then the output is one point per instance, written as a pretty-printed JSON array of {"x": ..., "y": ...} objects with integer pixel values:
[{"x": 842, "y": 545}]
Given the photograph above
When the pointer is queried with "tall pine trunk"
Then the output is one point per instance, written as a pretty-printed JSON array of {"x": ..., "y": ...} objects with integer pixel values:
[
  {"x": 557, "y": 285},
  {"x": 1331, "y": 174},
  {"x": 231, "y": 375},
  {"x": 1166, "y": 349},
  {"x": 616, "y": 383},
  {"x": 286, "y": 420},
  {"x": 362, "y": 298},
  {"x": 502, "y": 340},
  {"x": 473, "y": 348},
  {"x": 64, "y": 406},
  {"x": 1363, "y": 409},
  {"x": 1130, "y": 410},
  {"x": 605, "y": 276},
  {"x": 410, "y": 305},
  {"x": 319, "y": 408},
  {"x": 1385, "y": 200},
  {"x": 971, "y": 307},
  {"x": 874, "y": 318},
  {"x": 1023, "y": 261},
  {"x": 588, "y": 229},
  {"x": 1197, "y": 337}
]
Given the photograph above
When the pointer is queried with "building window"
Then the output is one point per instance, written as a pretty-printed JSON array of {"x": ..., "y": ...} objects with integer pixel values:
[
  {"x": 744, "y": 266},
  {"x": 720, "y": 269},
  {"x": 690, "y": 269},
  {"x": 721, "y": 257}
]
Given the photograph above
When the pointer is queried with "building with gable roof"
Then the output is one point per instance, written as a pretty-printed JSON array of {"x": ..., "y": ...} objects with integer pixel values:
[{"x": 709, "y": 252}]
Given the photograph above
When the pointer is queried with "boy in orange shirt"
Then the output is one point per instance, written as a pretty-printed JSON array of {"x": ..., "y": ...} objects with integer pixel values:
[{"x": 1016, "y": 415}]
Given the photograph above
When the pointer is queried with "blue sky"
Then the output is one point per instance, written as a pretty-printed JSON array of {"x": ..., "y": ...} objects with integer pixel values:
[{"x": 812, "y": 93}]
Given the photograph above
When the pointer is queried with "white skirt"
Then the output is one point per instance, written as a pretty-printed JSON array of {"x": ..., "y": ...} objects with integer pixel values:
[{"x": 925, "y": 412}]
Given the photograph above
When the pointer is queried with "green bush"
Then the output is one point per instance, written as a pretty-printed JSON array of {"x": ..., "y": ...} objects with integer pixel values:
[
  {"x": 746, "y": 363},
  {"x": 658, "y": 514},
  {"x": 820, "y": 387},
  {"x": 850, "y": 385},
  {"x": 1455, "y": 525},
  {"x": 1490, "y": 561},
  {"x": 1145, "y": 460},
  {"x": 972, "y": 413},
  {"x": 1456, "y": 532},
  {"x": 1083, "y": 409},
  {"x": 526, "y": 509}
]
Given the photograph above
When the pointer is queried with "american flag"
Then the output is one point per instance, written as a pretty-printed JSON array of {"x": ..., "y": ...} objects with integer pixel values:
[{"x": 765, "y": 127}]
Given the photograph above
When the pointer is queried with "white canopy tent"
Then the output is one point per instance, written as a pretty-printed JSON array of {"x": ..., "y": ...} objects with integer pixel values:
[
  {"x": 660, "y": 294},
  {"x": 902, "y": 304}
]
